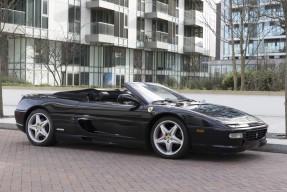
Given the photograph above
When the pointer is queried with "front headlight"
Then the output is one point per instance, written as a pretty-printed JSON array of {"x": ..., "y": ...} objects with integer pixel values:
[
  {"x": 236, "y": 135},
  {"x": 237, "y": 125}
]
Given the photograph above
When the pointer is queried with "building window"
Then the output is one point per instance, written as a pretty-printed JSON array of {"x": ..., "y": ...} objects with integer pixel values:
[
  {"x": 108, "y": 56},
  {"x": 140, "y": 29},
  {"x": 70, "y": 79},
  {"x": 13, "y": 12},
  {"x": 74, "y": 15},
  {"x": 148, "y": 78},
  {"x": 73, "y": 79},
  {"x": 85, "y": 78},
  {"x": 141, "y": 5},
  {"x": 193, "y": 31},
  {"x": 126, "y": 20},
  {"x": 41, "y": 54},
  {"x": 102, "y": 16},
  {"x": 148, "y": 60},
  {"x": 137, "y": 78},
  {"x": 45, "y": 14},
  {"x": 76, "y": 79},
  {"x": 137, "y": 59},
  {"x": 37, "y": 13},
  {"x": 121, "y": 22},
  {"x": 119, "y": 56},
  {"x": 124, "y": 3},
  {"x": 194, "y": 5},
  {"x": 85, "y": 56}
]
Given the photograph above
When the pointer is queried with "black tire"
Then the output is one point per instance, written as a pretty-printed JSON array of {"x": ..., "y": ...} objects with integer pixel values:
[
  {"x": 166, "y": 143},
  {"x": 40, "y": 129}
]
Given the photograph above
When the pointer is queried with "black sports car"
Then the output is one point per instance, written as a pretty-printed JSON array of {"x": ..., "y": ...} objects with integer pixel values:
[{"x": 141, "y": 115}]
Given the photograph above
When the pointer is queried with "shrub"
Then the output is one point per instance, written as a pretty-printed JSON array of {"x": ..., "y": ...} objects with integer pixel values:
[
  {"x": 264, "y": 80},
  {"x": 10, "y": 81},
  {"x": 258, "y": 80},
  {"x": 227, "y": 82},
  {"x": 204, "y": 83}
]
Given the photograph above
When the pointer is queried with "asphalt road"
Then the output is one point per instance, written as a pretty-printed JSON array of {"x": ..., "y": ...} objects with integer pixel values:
[{"x": 85, "y": 167}]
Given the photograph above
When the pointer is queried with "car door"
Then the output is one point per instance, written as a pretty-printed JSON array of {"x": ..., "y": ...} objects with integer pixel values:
[{"x": 111, "y": 121}]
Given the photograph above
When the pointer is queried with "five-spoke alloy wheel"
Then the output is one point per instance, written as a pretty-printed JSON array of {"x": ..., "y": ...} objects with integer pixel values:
[
  {"x": 40, "y": 128},
  {"x": 169, "y": 138}
]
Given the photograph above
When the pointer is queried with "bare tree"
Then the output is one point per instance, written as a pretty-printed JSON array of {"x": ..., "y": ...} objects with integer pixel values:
[
  {"x": 283, "y": 20},
  {"x": 231, "y": 32},
  {"x": 225, "y": 15},
  {"x": 7, "y": 8},
  {"x": 241, "y": 18},
  {"x": 280, "y": 18},
  {"x": 284, "y": 6},
  {"x": 56, "y": 56}
]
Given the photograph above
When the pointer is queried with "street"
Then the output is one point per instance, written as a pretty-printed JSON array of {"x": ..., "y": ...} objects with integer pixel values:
[{"x": 86, "y": 167}]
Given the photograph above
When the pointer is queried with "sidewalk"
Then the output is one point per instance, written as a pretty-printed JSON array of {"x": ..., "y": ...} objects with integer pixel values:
[{"x": 275, "y": 143}]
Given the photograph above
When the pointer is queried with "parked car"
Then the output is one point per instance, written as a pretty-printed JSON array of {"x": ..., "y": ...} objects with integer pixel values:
[{"x": 141, "y": 115}]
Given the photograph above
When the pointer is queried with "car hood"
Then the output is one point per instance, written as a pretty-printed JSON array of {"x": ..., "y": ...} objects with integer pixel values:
[{"x": 226, "y": 115}]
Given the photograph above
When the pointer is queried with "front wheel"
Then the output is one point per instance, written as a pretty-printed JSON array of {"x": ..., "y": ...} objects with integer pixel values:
[
  {"x": 169, "y": 138},
  {"x": 40, "y": 128}
]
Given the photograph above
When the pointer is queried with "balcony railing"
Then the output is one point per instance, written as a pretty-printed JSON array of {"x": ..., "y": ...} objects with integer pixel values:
[
  {"x": 193, "y": 41},
  {"x": 156, "y": 36},
  {"x": 157, "y": 7},
  {"x": 13, "y": 16},
  {"x": 117, "y": 2},
  {"x": 173, "y": 40},
  {"x": 74, "y": 27},
  {"x": 160, "y": 7},
  {"x": 102, "y": 28},
  {"x": 111, "y": 1},
  {"x": 140, "y": 35}
]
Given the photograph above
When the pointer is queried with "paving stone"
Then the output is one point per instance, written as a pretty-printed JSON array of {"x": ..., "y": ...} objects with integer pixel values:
[{"x": 73, "y": 167}]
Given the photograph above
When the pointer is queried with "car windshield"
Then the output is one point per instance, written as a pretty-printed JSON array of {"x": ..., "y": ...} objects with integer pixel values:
[{"x": 154, "y": 92}]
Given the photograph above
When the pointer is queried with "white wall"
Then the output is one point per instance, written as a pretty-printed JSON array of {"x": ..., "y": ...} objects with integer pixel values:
[
  {"x": 132, "y": 24},
  {"x": 209, "y": 39},
  {"x": 85, "y": 21},
  {"x": 58, "y": 19},
  {"x": 181, "y": 27}
]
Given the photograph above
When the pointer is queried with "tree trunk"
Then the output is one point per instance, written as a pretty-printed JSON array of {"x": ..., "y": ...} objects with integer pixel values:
[
  {"x": 242, "y": 51},
  {"x": 242, "y": 69},
  {"x": 285, "y": 13},
  {"x": 286, "y": 96},
  {"x": 1, "y": 98},
  {"x": 234, "y": 70}
]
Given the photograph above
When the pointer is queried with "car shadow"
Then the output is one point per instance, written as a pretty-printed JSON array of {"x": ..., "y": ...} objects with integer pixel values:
[
  {"x": 219, "y": 157},
  {"x": 106, "y": 148},
  {"x": 191, "y": 156}
]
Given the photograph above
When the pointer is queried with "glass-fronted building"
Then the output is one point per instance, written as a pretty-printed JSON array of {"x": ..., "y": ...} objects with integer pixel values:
[
  {"x": 267, "y": 39},
  {"x": 108, "y": 42}
]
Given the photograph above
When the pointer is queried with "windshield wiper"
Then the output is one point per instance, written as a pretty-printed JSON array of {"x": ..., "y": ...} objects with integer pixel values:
[
  {"x": 164, "y": 101},
  {"x": 190, "y": 100}
]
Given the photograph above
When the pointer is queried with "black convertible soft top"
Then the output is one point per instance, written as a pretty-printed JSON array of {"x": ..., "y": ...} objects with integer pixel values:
[{"x": 90, "y": 95}]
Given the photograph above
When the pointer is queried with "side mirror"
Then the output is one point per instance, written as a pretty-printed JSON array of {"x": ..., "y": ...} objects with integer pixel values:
[{"x": 122, "y": 98}]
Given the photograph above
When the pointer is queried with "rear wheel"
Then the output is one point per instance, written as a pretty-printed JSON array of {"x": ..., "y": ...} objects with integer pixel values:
[
  {"x": 40, "y": 128},
  {"x": 169, "y": 138}
]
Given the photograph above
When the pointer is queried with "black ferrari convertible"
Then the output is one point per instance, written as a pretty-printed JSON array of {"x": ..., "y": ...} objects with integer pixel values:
[{"x": 141, "y": 115}]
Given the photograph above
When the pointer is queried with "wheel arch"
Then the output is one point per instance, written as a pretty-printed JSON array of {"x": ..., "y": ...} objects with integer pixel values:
[
  {"x": 159, "y": 116},
  {"x": 29, "y": 111}
]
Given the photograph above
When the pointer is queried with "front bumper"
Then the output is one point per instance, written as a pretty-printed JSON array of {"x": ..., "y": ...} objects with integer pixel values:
[
  {"x": 230, "y": 148},
  {"x": 212, "y": 140}
]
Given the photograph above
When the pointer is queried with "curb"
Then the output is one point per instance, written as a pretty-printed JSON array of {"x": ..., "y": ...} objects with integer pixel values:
[
  {"x": 272, "y": 148},
  {"x": 8, "y": 126}
]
